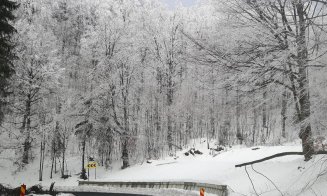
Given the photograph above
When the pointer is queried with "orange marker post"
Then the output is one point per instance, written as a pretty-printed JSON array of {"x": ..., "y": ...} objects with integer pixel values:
[
  {"x": 201, "y": 191},
  {"x": 22, "y": 190}
]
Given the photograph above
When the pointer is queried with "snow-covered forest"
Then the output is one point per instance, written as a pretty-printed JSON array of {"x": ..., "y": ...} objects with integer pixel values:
[{"x": 133, "y": 80}]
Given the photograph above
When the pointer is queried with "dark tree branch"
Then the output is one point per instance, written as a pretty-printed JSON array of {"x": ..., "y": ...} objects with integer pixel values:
[
  {"x": 320, "y": 1},
  {"x": 281, "y": 193},
  {"x": 275, "y": 156},
  {"x": 247, "y": 173}
]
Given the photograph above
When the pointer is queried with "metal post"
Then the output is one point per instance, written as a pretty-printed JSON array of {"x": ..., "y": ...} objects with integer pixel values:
[
  {"x": 88, "y": 173},
  {"x": 95, "y": 173}
]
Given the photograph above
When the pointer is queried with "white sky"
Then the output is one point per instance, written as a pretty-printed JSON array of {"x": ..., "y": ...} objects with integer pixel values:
[{"x": 172, "y": 3}]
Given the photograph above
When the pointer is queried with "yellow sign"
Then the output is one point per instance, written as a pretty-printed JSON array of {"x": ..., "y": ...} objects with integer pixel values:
[{"x": 91, "y": 165}]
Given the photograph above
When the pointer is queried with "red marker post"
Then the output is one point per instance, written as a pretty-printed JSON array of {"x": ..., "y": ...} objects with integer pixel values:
[
  {"x": 22, "y": 190},
  {"x": 201, "y": 191}
]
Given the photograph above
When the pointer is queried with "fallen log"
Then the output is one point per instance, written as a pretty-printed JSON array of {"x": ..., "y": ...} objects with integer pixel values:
[{"x": 277, "y": 155}]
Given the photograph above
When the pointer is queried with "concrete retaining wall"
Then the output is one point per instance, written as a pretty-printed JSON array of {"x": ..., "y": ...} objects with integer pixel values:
[{"x": 219, "y": 190}]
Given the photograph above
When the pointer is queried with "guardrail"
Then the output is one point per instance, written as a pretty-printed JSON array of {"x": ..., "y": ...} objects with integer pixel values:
[{"x": 219, "y": 190}]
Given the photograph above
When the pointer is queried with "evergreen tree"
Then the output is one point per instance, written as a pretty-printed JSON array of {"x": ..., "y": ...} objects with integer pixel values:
[{"x": 6, "y": 55}]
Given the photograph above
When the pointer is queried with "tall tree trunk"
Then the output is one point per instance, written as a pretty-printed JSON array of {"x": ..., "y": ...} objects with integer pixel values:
[
  {"x": 52, "y": 162},
  {"x": 304, "y": 100},
  {"x": 238, "y": 113},
  {"x": 170, "y": 94},
  {"x": 149, "y": 149},
  {"x": 254, "y": 121},
  {"x": 170, "y": 132},
  {"x": 63, "y": 156},
  {"x": 212, "y": 123},
  {"x": 283, "y": 113},
  {"x": 125, "y": 151},
  {"x": 169, "y": 117},
  {"x": 56, "y": 138},
  {"x": 27, "y": 142},
  {"x": 41, "y": 161},
  {"x": 189, "y": 127},
  {"x": 43, "y": 156},
  {"x": 53, "y": 155},
  {"x": 83, "y": 173},
  {"x": 157, "y": 127},
  {"x": 227, "y": 122},
  {"x": 125, "y": 136},
  {"x": 264, "y": 133},
  {"x": 211, "y": 108},
  {"x": 56, "y": 146}
]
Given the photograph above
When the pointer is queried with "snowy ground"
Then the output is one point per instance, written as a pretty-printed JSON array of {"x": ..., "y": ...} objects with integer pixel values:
[{"x": 288, "y": 175}]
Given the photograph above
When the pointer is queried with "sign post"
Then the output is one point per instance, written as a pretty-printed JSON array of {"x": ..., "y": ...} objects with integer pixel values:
[
  {"x": 92, "y": 165},
  {"x": 22, "y": 190},
  {"x": 201, "y": 191}
]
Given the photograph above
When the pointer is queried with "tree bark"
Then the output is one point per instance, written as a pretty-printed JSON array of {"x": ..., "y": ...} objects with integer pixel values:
[
  {"x": 169, "y": 118},
  {"x": 238, "y": 113},
  {"x": 171, "y": 74},
  {"x": 157, "y": 127},
  {"x": 41, "y": 162},
  {"x": 283, "y": 113},
  {"x": 27, "y": 126},
  {"x": 52, "y": 161},
  {"x": 304, "y": 100},
  {"x": 254, "y": 121},
  {"x": 83, "y": 172},
  {"x": 264, "y": 133},
  {"x": 63, "y": 156},
  {"x": 125, "y": 135},
  {"x": 125, "y": 151}
]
